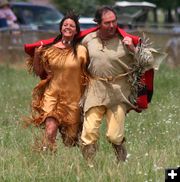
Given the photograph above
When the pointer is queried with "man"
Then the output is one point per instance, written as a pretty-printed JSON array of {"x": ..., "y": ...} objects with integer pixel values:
[{"x": 112, "y": 52}]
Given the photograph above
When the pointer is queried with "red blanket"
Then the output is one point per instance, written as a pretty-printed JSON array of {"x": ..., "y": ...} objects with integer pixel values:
[
  {"x": 144, "y": 95},
  {"x": 29, "y": 48}
]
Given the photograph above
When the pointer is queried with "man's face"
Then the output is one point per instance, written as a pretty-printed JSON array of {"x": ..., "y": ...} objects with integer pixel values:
[{"x": 108, "y": 24}]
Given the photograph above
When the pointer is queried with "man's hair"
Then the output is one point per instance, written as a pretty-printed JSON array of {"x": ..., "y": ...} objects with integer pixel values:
[{"x": 100, "y": 11}]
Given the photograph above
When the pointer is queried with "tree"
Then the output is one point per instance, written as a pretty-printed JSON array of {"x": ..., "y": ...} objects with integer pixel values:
[
  {"x": 83, "y": 7},
  {"x": 168, "y": 6},
  {"x": 88, "y": 7}
]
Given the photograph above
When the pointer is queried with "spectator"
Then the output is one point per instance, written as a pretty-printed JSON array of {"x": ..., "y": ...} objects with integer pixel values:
[{"x": 7, "y": 17}]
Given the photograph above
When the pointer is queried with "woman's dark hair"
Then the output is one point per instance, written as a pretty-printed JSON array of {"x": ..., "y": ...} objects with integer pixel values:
[
  {"x": 100, "y": 11},
  {"x": 69, "y": 15}
]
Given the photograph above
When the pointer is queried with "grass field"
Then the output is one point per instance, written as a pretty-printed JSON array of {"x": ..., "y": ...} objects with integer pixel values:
[{"x": 152, "y": 138}]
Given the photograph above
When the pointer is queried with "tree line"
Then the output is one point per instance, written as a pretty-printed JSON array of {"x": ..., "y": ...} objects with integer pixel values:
[{"x": 88, "y": 7}]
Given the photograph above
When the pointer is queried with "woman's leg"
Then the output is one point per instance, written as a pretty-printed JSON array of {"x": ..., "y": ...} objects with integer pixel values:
[
  {"x": 70, "y": 134},
  {"x": 51, "y": 127}
]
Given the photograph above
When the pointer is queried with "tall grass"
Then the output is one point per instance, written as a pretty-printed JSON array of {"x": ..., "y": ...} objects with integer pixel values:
[{"x": 152, "y": 138}]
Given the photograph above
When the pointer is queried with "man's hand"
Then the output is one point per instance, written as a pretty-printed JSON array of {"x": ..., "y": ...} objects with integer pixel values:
[{"x": 129, "y": 43}]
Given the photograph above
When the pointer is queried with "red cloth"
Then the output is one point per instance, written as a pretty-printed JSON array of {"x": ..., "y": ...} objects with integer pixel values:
[
  {"x": 29, "y": 48},
  {"x": 144, "y": 95}
]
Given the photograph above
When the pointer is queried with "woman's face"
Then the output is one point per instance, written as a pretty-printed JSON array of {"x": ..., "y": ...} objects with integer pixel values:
[{"x": 68, "y": 29}]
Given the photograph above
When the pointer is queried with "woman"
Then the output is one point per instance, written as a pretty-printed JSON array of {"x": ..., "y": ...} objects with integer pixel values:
[{"x": 55, "y": 103}]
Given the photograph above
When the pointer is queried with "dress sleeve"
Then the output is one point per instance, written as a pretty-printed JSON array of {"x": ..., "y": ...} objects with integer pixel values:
[
  {"x": 37, "y": 62},
  {"x": 40, "y": 62}
]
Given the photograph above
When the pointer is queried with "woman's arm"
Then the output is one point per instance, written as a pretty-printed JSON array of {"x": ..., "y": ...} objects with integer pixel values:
[{"x": 38, "y": 68}]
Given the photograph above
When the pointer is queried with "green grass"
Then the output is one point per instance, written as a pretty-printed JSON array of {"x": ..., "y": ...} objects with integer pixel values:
[{"x": 152, "y": 138}]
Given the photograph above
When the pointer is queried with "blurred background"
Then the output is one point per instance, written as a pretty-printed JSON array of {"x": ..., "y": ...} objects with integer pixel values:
[{"x": 39, "y": 19}]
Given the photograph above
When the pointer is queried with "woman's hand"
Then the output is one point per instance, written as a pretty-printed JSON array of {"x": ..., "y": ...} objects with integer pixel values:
[{"x": 37, "y": 65}]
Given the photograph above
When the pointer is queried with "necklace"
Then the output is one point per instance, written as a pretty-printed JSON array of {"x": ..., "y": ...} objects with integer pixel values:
[
  {"x": 66, "y": 42},
  {"x": 103, "y": 43},
  {"x": 103, "y": 40}
]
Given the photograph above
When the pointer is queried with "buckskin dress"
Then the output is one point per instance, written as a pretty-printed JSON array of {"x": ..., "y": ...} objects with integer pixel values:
[{"x": 59, "y": 94}]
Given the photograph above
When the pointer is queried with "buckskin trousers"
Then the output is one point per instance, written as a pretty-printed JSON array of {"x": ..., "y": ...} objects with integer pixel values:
[{"x": 114, "y": 120}]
